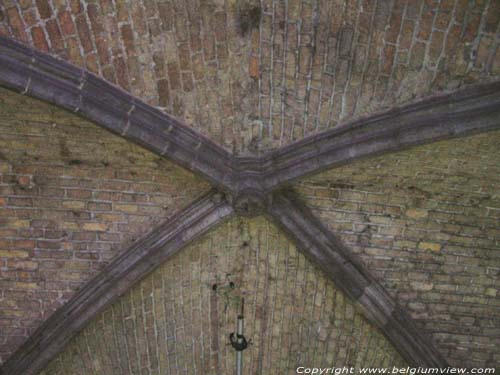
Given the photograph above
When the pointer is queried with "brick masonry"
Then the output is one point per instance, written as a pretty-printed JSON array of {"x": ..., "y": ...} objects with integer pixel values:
[
  {"x": 71, "y": 197},
  {"x": 426, "y": 223},
  {"x": 255, "y": 75},
  {"x": 173, "y": 322}
]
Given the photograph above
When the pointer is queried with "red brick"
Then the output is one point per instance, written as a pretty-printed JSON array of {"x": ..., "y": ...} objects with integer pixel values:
[
  {"x": 395, "y": 23},
  {"x": 39, "y": 39},
  {"x": 128, "y": 38},
  {"x": 44, "y": 8},
  {"x": 453, "y": 39},
  {"x": 16, "y": 23},
  {"x": 254, "y": 67},
  {"x": 103, "y": 51},
  {"x": 471, "y": 27},
  {"x": 121, "y": 72},
  {"x": 66, "y": 22},
  {"x": 425, "y": 24},
  {"x": 55, "y": 36},
  {"x": 84, "y": 33},
  {"x": 96, "y": 21},
  {"x": 3, "y": 30}
]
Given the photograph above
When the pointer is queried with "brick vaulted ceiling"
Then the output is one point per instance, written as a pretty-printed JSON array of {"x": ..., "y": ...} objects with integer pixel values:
[
  {"x": 252, "y": 76},
  {"x": 273, "y": 277}
]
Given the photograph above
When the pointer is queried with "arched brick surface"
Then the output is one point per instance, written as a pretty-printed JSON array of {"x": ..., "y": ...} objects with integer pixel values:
[
  {"x": 174, "y": 323},
  {"x": 253, "y": 76},
  {"x": 258, "y": 74},
  {"x": 71, "y": 196},
  {"x": 425, "y": 221}
]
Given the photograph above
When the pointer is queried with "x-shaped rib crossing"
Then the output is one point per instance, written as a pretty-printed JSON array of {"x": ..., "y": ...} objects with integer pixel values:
[{"x": 247, "y": 186}]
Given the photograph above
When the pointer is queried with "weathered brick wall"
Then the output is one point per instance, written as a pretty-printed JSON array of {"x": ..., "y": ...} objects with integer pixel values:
[
  {"x": 71, "y": 196},
  {"x": 259, "y": 74},
  {"x": 427, "y": 223},
  {"x": 173, "y": 322},
  {"x": 325, "y": 62},
  {"x": 185, "y": 56}
]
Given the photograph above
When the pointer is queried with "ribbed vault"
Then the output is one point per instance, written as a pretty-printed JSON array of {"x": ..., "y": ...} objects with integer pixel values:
[
  {"x": 426, "y": 222},
  {"x": 174, "y": 322},
  {"x": 254, "y": 75},
  {"x": 72, "y": 196}
]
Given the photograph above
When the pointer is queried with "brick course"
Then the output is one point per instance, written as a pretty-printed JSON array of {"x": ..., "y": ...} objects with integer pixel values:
[
  {"x": 426, "y": 223},
  {"x": 173, "y": 322},
  {"x": 71, "y": 196}
]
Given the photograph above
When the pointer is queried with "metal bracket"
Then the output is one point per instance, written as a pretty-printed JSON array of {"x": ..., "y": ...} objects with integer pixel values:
[{"x": 239, "y": 346}]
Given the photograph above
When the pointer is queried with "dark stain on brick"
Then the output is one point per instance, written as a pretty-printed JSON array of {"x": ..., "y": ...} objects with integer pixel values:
[
  {"x": 44, "y": 8},
  {"x": 420, "y": 191},
  {"x": 63, "y": 148},
  {"x": 249, "y": 18}
]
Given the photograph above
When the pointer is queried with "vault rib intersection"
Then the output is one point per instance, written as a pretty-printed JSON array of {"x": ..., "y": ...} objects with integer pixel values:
[{"x": 246, "y": 186}]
